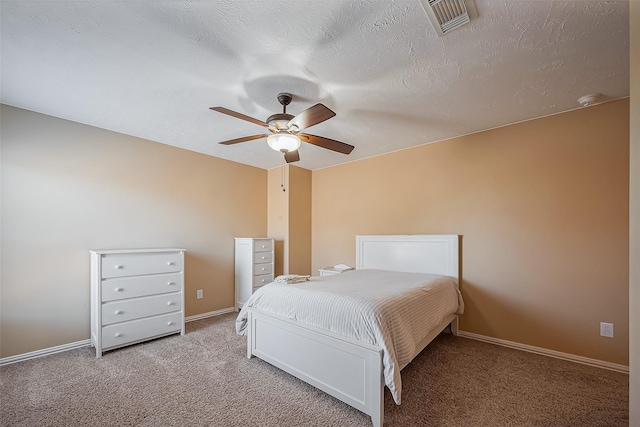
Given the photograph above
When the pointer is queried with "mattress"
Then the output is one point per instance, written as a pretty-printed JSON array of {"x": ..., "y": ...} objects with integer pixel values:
[{"x": 392, "y": 310}]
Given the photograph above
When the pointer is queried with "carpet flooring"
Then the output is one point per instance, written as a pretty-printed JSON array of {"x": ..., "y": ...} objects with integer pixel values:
[{"x": 205, "y": 379}]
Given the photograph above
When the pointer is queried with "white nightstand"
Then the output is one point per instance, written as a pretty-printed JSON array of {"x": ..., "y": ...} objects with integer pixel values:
[{"x": 330, "y": 271}]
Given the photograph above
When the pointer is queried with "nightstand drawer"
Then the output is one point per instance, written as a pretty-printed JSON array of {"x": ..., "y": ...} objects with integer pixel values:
[
  {"x": 262, "y": 245},
  {"x": 260, "y": 269},
  {"x": 120, "y": 311},
  {"x": 138, "y": 264},
  {"x": 129, "y": 287},
  {"x": 142, "y": 329},
  {"x": 262, "y": 280}
]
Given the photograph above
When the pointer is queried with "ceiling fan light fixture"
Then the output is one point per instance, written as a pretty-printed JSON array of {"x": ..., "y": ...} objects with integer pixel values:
[{"x": 284, "y": 142}]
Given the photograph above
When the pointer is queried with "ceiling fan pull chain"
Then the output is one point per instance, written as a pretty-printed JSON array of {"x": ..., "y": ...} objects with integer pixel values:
[{"x": 282, "y": 178}]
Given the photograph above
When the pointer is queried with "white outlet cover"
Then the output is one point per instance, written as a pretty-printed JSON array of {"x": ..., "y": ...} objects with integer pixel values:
[
  {"x": 606, "y": 329},
  {"x": 199, "y": 294}
]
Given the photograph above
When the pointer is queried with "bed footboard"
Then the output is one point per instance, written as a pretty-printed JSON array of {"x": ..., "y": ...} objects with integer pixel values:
[{"x": 347, "y": 369}]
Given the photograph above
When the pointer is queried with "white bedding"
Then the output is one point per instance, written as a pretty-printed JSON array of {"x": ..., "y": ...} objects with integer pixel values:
[{"x": 392, "y": 310}]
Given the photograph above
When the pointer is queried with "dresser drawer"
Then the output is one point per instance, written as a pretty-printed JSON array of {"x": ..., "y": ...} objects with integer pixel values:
[
  {"x": 261, "y": 280},
  {"x": 120, "y": 311},
  {"x": 129, "y": 287},
  {"x": 263, "y": 257},
  {"x": 259, "y": 269},
  {"x": 142, "y": 329},
  {"x": 262, "y": 245},
  {"x": 138, "y": 264}
]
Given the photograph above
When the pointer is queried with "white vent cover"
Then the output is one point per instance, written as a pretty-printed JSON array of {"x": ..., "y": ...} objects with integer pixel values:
[{"x": 446, "y": 15}]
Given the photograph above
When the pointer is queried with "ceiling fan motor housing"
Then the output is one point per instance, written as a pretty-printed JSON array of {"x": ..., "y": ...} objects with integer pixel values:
[{"x": 279, "y": 121}]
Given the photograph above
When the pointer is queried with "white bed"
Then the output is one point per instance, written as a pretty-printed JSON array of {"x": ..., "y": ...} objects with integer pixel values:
[{"x": 353, "y": 366}]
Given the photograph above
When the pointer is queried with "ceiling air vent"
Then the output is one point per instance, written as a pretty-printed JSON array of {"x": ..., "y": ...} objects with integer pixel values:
[{"x": 446, "y": 15}]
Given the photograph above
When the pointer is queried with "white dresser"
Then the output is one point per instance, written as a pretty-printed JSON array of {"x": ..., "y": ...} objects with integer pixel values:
[
  {"x": 254, "y": 266},
  {"x": 136, "y": 295}
]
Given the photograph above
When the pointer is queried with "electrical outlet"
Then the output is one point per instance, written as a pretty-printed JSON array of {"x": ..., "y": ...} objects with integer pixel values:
[
  {"x": 199, "y": 294},
  {"x": 606, "y": 329}
]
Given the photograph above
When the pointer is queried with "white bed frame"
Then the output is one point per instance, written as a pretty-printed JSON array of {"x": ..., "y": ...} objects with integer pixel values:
[{"x": 345, "y": 368}]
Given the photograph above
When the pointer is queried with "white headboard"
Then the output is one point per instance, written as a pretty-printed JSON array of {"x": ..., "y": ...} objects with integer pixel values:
[{"x": 416, "y": 253}]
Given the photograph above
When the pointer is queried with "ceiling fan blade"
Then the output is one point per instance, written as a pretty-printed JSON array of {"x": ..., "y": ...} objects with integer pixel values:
[
  {"x": 330, "y": 144},
  {"x": 311, "y": 116},
  {"x": 292, "y": 156},
  {"x": 243, "y": 139},
  {"x": 238, "y": 115}
]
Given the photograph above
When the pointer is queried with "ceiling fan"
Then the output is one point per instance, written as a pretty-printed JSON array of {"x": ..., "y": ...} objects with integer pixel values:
[{"x": 285, "y": 130}]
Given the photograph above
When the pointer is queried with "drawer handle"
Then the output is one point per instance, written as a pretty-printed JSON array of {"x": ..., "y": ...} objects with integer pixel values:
[
  {"x": 119, "y": 267},
  {"x": 262, "y": 280},
  {"x": 170, "y": 263},
  {"x": 171, "y": 283},
  {"x": 118, "y": 289},
  {"x": 170, "y": 303},
  {"x": 169, "y": 323},
  {"x": 262, "y": 268},
  {"x": 264, "y": 257},
  {"x": 264, "y": 246},
  {"x": 118, "y": 311},
  {"x": 118, "y": 334}
]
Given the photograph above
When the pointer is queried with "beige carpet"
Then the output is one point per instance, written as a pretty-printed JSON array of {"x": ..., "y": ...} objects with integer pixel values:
[{"x": 204, "y": 379}]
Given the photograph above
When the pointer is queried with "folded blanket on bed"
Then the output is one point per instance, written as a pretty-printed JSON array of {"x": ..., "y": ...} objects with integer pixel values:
[{"x": 291, "y": 279}]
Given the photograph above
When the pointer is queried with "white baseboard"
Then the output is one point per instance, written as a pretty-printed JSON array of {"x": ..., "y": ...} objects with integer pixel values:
[
  {"x": 209, "y": 314},
  {"x": 84, "y": 343},
  {"x": 545, "y": 352},
  {"x": 44, "y": 352}
]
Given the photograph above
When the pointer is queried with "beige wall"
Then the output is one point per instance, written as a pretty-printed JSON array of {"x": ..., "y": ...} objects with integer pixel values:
[
  {"x": 299, "y": 221},
  {"x": 543, "y": 210},
  {"x": 634, "y": 217},
  {"x": 530, "y": 201},
  {"x": 278, "y": 216},
  {"x": 290, "y": 218},
  {"x": 68, "y": 188}
]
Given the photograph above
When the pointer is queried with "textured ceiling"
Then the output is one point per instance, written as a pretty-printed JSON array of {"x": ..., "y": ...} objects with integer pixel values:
[{"x": 153, "y": 69}]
